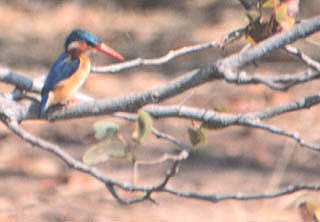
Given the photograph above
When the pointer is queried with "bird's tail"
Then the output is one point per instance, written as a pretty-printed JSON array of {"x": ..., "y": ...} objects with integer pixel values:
[{"x": 43, "y": 103}]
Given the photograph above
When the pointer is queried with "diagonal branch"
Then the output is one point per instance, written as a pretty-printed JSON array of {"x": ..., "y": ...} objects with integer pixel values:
[
  {"x": 216, "y": 71},
  {"x": 299, "y": 31},
  {"x": 303, "y": 57},
  {"x": 57, "y": 151},
  {"x": 133, "y": 102},
  {"x": 19, "y": 80},
  {"x": 281, "y": 83},
  {"x": 276, "y": 130},
  {"x": 222, "y": 69},
  {"x": 156, "y": 61},
  {"x": 148, "y": 190},
  {"x": 79, "y": 166},
  {"x": 12, "y": 112}
]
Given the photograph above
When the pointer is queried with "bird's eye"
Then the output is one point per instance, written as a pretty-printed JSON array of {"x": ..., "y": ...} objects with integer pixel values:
[{"x": 92, "y": 44}]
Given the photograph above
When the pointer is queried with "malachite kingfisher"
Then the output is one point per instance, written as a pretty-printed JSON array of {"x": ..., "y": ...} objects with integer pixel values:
[{"x": 71, "y": 69}]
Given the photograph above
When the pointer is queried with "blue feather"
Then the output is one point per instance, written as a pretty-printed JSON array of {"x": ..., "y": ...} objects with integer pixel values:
[
  {"x": 64, "y": 67},
  {"x": 44, "y": 99},
  {"x": 82, "y": 35}
]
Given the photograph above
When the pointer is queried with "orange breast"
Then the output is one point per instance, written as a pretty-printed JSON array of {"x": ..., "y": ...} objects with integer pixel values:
[{"x": 65, "y": 89}]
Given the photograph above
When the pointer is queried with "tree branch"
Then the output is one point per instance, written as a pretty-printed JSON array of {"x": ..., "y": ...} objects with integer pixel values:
[
  {"x": 148, "y": 190},
  {"x": 215, "y": 71},
  {"x": 299, "y": 31},
  {"x": 77, "y": 165},
  {"x": 172, "y": 54},
  {"x": 12, "y": 112},
  {"x": 217, "y": 198},
  {"x": 20, "y": 81},
  {"x": 303, "y": 57},
  {"x": 222, "y": 69}
]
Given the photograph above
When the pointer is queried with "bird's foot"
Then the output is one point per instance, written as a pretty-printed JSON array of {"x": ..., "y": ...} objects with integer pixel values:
[{"x": 72, "y": 101}]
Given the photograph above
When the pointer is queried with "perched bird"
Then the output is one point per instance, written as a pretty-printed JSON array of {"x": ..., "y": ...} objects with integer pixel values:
[{"x": 71, "y": 69}]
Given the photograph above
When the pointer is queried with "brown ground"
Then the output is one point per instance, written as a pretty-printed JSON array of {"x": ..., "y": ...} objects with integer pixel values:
[{"x": 36, "y": 186}]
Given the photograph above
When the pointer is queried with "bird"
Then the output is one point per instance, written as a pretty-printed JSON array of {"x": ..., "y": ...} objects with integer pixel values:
[{"x": 71, "y": 69}]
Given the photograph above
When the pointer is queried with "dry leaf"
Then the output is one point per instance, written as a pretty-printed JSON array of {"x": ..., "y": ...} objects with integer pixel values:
[
  {"x": 105, "y": 129},
  {"x": 110, "y": 148},
  {"x": 286, "y": 13},
  {"x": 143, "y": 126},
  {"x": 196, "y": 136}
]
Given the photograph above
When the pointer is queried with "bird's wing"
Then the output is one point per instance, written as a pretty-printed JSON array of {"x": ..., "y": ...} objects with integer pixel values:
[{"x": 63, "y": 68}]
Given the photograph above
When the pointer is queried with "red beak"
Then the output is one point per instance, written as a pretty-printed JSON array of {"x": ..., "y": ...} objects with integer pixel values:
[{"x": 104, "y": 48}]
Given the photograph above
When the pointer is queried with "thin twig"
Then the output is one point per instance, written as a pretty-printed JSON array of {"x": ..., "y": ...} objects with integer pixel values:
[
  {"x": 156, "y": 61},
  {"x": 148, "y": 190},
  {"x": 11, "y": 112},
  {"x": 218, "y": 198},
  {"x": 303, "y": 57}
]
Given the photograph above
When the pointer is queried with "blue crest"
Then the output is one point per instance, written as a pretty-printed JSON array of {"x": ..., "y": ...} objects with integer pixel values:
[{"x": 82, "y": 35}]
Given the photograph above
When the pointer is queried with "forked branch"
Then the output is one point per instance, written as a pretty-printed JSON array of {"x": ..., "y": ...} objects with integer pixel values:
[{"x": 12, "y": 112}]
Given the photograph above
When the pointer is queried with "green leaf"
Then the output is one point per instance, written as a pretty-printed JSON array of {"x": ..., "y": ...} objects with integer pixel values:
[
  {"x": 105, "y": 150},
  {"x": 105, "y": 129},
  {"x": 143, "y": 126},
  {"x": 196, "y": 136}
]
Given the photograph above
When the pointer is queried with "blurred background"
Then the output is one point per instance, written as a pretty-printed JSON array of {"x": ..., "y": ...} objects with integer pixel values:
[{"x": 36, "y": 186}]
